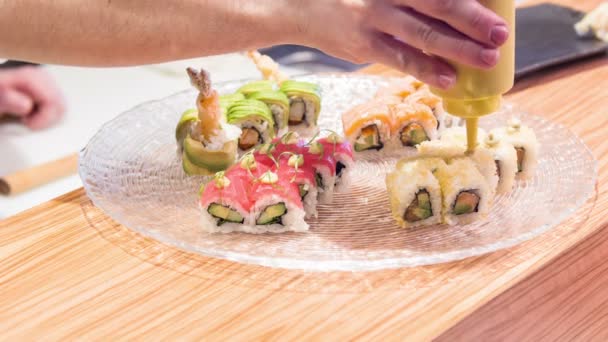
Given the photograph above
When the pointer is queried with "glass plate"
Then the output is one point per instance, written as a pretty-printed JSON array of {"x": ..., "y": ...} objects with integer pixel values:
[{"x": 130, "y": 169}]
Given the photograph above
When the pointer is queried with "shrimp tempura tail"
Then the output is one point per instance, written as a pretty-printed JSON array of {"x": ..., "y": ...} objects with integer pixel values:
[
  {"x": 207, "y": 103},
  {"x": 267, "y": 66}
]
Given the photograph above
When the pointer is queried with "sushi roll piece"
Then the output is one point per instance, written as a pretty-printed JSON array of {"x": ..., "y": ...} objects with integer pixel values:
[
  {"x": 208, "y": 141},
  {"x": 466, "y": 194},
  {"x": 524, "y": 141},
  {"x": 304, "y": 104},
  {"x": 226, "y": 101},
  {"x": 415, "y": 193},
  {"x": 293, "y": 167},
  {"x": 254, "y": 118},
  {"x": 256, "y": 86},
  {"x": 186, "y": 122},
  {"x": 505, "y": 158},
  {"x": 368, "y": 126},
  {"x": 342, "y": 152},
  {"x": 223, "y": 206},
  {"x": 279, "y": 106},
  {"x": 426, "y": 97},
  {"x": 324, "y": 166},
  {"x": 448, "y": 150},
  {"x": 400, "y": 88},
  {"x": 458, "y": 135},
  {"x": 277, "y": 205},
  {"x": 413, "y": 123}
]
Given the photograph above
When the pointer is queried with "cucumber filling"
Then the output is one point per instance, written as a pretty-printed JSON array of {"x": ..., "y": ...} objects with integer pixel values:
[
  {"x": 466, "y": 202},
  {"x": 224, "y": 214},
  {"x": 249, "y": 138},
  {"x": 369, "y": 139},
  {"x": 413, "y": 134},
  {"x": 319, "y": 180},
  {"x": 272, "y": 214},
  {"x": 420, "y": 208},
  {"x": 521, "y": 153}
]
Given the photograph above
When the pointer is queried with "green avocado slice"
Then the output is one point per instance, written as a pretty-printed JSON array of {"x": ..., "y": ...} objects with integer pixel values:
[
  {"x": 224, "y": 214},
  {"x": 212, "y": 161},
  {"x": 272, "y": 214}
]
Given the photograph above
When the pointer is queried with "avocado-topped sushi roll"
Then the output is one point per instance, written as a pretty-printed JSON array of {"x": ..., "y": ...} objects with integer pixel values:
[
  {"x": 208, "y": 141},
  {"x": 413, "y": 123},
  {"x": 304, "y": 103},
  {"x": 342, "y": 152},
  {"x": 415, "y": 194},
  {"x": 255, "y": 121},
  {"x": 226, "y": 101},
  {"x": 279, "y": 107},
  {"x": 368, "y": 126},
  {"x": 505, "y": 158},
  {"x": 256, "y": 86},
  {"x": 523, "y": 140},
  {"x": 466, "y": 194}
]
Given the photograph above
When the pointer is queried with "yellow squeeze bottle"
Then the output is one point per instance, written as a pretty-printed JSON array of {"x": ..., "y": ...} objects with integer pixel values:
[{"x": 479, "y": 92}]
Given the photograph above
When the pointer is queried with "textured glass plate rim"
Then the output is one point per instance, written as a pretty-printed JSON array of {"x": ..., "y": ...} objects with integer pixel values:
[{"x": 346, "y": 265}]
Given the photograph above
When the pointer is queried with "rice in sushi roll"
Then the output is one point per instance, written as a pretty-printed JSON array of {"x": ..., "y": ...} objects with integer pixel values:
[
  {"x": 525, "y": 144},
  {"x": 415, "y": 193},
  {"x": 466, "y": 194},
  {"x": 342, "y": 152}
]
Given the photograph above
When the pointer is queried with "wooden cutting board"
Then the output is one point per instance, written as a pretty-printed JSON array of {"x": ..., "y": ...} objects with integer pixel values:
[{"x": 67, "y": 271}]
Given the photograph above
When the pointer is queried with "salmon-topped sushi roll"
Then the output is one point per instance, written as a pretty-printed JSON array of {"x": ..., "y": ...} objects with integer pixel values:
[
  {"x": 413, "y": 123},
  {"x": 368, "y": 126}
]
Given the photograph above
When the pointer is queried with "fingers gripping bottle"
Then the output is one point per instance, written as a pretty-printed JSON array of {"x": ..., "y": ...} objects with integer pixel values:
[{"x": 479, "y": 92}]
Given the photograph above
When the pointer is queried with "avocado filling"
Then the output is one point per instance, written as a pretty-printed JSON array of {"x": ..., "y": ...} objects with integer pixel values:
[
  {"x": 272, "y": 214},
  {"x": 413, "y": 134},
  {"x": 297, "y": 109},
  {"x": 521, "y": 153},
  {"x": 249, "y": 138},
  {"x": 369, "y": 139},
  {"x": 224, "y": 214},
  {"x": 303, "y": 190},
  {"x": 420, "y": 208},
  {"x": 466, "y": 202}
]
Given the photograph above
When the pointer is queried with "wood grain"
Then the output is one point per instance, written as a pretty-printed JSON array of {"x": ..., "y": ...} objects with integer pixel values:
[
  {"x": 28, "y": 179},
  {"x": 67, "y": 271}
]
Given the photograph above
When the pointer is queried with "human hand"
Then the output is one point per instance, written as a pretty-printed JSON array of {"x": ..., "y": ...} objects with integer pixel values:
[
  {"x": 30, "y": 94},
  {"x": 396, "y": 32}
]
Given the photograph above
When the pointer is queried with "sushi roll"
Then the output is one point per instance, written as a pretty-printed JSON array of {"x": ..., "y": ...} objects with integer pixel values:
[
  {"x": 425, "y": 97},
  {"x": 304, "y": 104},
  {"x": 413, "y": 123},
  {"x": 415, "y": 193},
  {"x": 208, "y": 140},
  {"x": 458, "y": 135},
  {"x": 223, "y": 206},
  {"x": 279, "y": 107},
  {"x": 226, "y": 101},
  {"x": 293, "y": 167},
  {"x": 342, "y": 152},
  {"x": 466, "y": 194},
  {"x": 254, "y": 118},
  {"x": 256, "y": 86},
  {"x": 368, "y": 126},
  {"x": 324, "y": 166},
  {"x": 523, "y": 140},
  {"x": 276, "y": 205},
  {"x": 482, "y": 157},
  {"x": 505, "y": 158},
  {"x": 400, "y": 88}
]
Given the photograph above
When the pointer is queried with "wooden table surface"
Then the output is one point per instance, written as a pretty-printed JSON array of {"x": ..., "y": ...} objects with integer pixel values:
[{"x": 68, "y": 271}]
